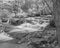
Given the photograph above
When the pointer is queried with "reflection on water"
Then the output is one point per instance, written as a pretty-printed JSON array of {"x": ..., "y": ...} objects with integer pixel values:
[
  {"x": 11, "y": 45},
  {"x": 8, "y": 45}
]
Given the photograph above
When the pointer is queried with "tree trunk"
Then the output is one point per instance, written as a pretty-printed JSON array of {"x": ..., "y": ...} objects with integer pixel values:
[{"x": 56, "y": 14}]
